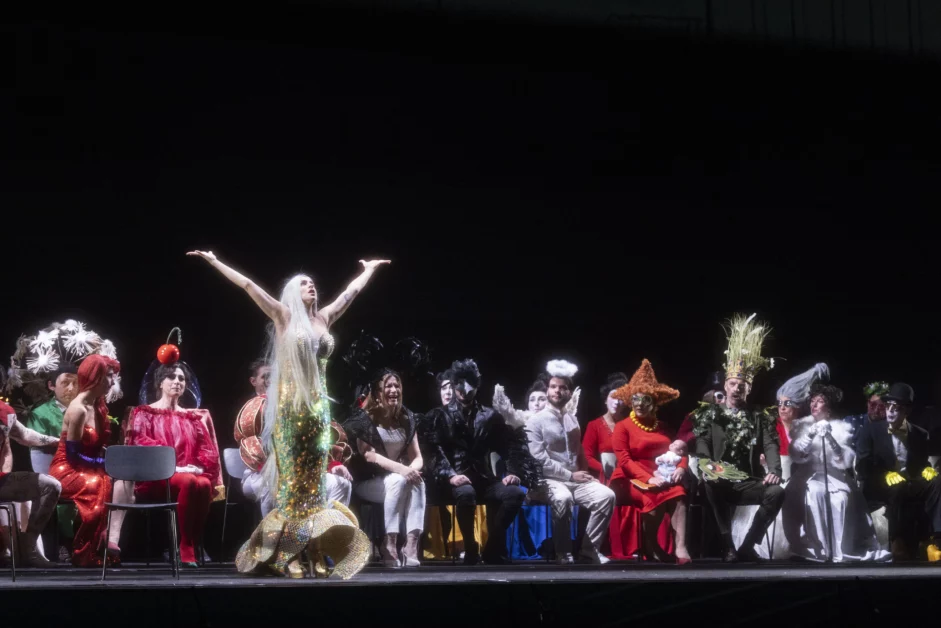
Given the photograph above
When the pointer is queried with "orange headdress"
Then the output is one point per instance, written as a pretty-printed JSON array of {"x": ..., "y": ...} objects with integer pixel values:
[{"x": 645, "y": 382}]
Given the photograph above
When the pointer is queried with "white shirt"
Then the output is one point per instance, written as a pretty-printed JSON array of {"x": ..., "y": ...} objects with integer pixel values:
[{"x": 393, "y": 440}]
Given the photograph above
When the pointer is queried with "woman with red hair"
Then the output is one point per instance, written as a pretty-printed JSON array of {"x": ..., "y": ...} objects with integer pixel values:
[{"x": 79, "y": 461}]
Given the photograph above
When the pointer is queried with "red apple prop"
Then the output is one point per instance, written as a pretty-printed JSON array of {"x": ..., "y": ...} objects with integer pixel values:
[{"x": 168, "y": 354}]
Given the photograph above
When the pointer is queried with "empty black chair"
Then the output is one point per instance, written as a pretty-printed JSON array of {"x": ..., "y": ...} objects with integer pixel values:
[{"x": 144, "y": 464}]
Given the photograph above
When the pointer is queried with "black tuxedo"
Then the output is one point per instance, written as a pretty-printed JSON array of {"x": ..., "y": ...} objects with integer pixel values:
[{"x": 876, "y": 457}]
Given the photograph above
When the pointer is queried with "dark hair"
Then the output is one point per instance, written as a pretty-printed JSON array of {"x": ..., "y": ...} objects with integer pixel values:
[
  {"x": 831, "y": 394},
  {"x": 465, "y": 370},
  {"x": 538, "y": 386},
  {"x": 443, "y": 376},
  {"x": 164, "y": 371},
  {"x": 614, "y": 381},
  {"x": 255, "y": 366},
  {"x": 548, "y": 378}
]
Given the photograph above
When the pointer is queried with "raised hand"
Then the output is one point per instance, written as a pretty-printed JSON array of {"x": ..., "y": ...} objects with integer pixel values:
[
  {"x": 371, "y": 264},
  {"x": 209, "y": 256}
]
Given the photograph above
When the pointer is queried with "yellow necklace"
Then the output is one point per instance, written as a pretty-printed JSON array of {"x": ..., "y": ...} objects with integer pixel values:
[{"x": 646, "y": 428}]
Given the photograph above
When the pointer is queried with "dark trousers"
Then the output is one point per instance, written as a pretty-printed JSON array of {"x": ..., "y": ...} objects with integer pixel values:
[
  {"x": 723, "y": 495},
  {"x": 905, "y": 503},
  {"x": 503, "y": 504}
]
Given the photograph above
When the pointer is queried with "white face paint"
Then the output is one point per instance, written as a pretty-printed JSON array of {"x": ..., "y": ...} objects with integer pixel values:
[
  {"x": 446, "y": 392},
  {"x": 612, "y": 405}
]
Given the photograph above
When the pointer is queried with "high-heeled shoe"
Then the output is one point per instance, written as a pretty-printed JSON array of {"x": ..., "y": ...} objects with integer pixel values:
[
  {"x": 389, "y": 551},
  {"x": 410, "y": 551}
]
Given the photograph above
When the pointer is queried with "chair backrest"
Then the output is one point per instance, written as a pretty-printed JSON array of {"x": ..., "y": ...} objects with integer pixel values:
[
  {"x": 233, "y": 463},
  {"x": 140, "y": 464},
  {"x": 40, "y": 461}
]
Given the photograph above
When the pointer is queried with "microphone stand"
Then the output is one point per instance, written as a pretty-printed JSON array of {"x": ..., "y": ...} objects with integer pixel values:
[{"x": 826, "y": 488}]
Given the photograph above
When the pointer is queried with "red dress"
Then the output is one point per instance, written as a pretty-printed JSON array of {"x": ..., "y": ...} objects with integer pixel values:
[
  {"x": 625, "y": 522},
  {"x": 89, "y": 487},
  {"x": 782, "y": 436},
  {"x": 635, "y": 450},
  {"x": 186, "y": 432}
]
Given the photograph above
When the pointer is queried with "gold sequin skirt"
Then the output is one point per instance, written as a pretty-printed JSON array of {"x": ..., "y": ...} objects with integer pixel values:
[{"x": 278, "y": 545}]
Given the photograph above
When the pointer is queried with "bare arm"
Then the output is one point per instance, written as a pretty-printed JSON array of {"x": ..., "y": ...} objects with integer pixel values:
[
  {"x": 74, "y": 421},
  {"x": 414, "y": 453},
  {"x": 336, "y": 309},
  {"x": 369, "y": 453},
  {"x": 30, "y": 438},
  {"x": 272, "y": 308},
  {"x": 6, "y": 455}
]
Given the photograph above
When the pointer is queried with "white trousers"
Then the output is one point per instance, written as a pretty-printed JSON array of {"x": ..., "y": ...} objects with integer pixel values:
[
  {"x": 338, "y": 489},
  {"x": 400, "y": 500},
  {"x": 597, "y": 498}
]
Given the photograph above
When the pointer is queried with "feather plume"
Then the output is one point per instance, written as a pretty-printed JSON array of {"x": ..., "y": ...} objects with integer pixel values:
[
  {"x": 82, "y": 342},
  {"x": 44, "y": 360},
  {"x": 746, "y": 338},
  {"x": 44, "y": 339},
  {"x": 72, "y": 326},
  {"x": 561, "y": 368},
  {"x": 108, "y": 349}
]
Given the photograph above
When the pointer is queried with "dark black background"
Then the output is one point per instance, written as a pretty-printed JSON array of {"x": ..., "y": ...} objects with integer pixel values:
[{"x": 542, "y": 191}]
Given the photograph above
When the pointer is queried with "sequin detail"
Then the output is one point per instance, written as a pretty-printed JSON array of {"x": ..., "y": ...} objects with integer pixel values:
[{"x": 303, "y": 520}]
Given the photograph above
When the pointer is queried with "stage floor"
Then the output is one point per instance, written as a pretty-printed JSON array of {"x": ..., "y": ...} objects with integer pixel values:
[{"x": 224, "y": 575}]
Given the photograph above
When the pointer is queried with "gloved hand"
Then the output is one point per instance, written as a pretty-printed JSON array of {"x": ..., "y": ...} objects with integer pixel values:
[
  {"x": 821, "y": 428},
  {"x": 929, "y": 473},
  {"x": 892, "y": 478}
]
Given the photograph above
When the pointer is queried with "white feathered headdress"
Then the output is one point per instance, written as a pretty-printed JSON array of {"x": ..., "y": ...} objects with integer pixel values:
[
  {"x": 58, "y": 347},
  {"x": 798, "y": 387},
  {"x": 561, "y": 368}
]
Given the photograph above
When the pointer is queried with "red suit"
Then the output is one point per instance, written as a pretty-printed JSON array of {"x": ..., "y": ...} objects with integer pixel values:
[
  {"x": 89, "y": 487},
  {"x": 188, "y": 433},
  {"x": 625, "y": 522}
]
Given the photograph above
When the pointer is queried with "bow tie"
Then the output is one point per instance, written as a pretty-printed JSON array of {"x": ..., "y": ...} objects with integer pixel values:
[{"x": 901, "y": 431}]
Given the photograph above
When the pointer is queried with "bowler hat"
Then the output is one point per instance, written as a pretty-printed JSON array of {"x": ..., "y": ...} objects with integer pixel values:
[{"x": 900, "y": 393}]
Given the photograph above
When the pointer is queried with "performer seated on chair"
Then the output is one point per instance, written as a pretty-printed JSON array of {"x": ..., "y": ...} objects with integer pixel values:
[
  {"x": 733, "y": 434},
  {"x": 248, "y": 436},
  {"x": 460, "y": 437},
  {"x": 166, "y": 423},
  {"x": 822, "y": 492},
  {"x": 893, "y": 467},
  {"x": 555, "y": 441},
  {"x": 41, "y": 491},
  {"x": 638, "y": 441},
  {"x": 387, "y": 465},
  {"x": 79, "y": 463}
]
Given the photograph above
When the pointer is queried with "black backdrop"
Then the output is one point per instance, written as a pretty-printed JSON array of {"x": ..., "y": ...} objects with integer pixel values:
[{"x": 543, "y": 191}]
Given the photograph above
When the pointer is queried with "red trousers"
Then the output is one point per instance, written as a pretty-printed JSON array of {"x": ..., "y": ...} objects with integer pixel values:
[{"x": 194, "y": 494}]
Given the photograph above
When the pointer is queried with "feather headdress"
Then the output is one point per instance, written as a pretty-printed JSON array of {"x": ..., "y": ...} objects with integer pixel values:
[
  {"x": 746, "y": 338},
  {"x": 561, "y": 368},
  {"x": 798, "y": 388},
  {"x": 57, "y": 348}
]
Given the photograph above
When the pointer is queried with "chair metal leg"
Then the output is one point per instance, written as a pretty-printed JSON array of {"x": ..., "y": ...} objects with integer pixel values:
[
  {"x": 14, "y": 531},
  {"x": 104, "y": 558},
  {"x": 453, "y": 547},
  {"x": 175, "y": 547},
  {"x": 549, "y": 532},
  {"x": 147, "y": 517},
  {"x": 225, "y": 515}
]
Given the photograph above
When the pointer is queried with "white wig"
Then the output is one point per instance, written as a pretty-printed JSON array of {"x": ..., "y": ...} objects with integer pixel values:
[
  {"x": 798, "y": 387},
  {"x": 561, "y": 368},
  {"x": 294, "y": 352}
]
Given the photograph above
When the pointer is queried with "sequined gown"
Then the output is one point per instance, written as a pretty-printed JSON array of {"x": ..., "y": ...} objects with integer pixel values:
[
  {"x": 302, "y": 520},
  {"x": 89, "y": 487}
]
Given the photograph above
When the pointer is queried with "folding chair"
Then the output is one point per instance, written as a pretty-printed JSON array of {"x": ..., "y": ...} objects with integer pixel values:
[
  {"x": 144, "y": 464},
  {"x": 234, "y": 468},
  {"x": 10, "y": 509}
]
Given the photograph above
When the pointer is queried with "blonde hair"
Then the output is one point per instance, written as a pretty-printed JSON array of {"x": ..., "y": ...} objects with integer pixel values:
[{"x": 373, "y": 403}]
